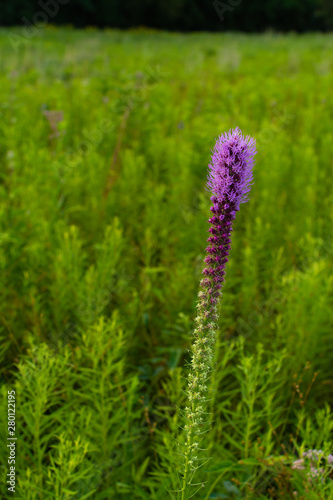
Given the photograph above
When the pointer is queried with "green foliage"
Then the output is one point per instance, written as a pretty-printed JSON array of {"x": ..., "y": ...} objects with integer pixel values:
[
  {"x": 79, "y": 416},
  {"x": 104, "y": 144}
]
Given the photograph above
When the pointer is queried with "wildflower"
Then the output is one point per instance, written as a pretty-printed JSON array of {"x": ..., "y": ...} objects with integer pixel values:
[
  {"x": 312, "y": 461},
  {"x": 298, "y": 464},
  {"x": 229, "y": 180}
]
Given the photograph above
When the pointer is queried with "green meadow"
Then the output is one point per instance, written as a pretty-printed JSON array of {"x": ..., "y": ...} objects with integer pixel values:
[{"x": 105, "y": 139}]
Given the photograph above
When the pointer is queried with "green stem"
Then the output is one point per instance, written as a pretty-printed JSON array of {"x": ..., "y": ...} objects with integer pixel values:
[
  {"x": 188, "y": 454},
  {"x": 198, "y": 376},
  {"x": 248, "y": 430},
  {"x": 185, "y": 478}
]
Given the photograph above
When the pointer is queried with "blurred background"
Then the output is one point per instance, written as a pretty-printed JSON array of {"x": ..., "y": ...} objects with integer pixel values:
[
  {"x": 183, "y": 15},
  {"x": 108, "y": 115}
]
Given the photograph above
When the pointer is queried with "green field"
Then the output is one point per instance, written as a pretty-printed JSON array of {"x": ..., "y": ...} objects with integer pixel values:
[{"x": 105, "y": 138}]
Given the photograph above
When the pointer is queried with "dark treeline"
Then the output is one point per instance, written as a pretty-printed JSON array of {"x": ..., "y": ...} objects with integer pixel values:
[{"x": 183, "y": 15}]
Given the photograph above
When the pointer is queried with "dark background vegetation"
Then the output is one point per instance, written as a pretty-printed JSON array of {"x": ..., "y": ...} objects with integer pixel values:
[{"x": 183, "y": 15}]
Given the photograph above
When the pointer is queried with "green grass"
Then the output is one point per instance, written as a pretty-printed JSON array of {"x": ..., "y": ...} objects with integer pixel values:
[{"x": 102, "y": 236}]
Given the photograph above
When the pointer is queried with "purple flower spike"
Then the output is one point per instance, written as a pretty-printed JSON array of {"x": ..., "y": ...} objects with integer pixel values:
[{"x": 229, "y": 179}]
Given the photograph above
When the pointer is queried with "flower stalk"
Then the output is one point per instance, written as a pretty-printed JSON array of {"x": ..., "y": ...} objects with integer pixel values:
[{"x": 229, "y": 180}]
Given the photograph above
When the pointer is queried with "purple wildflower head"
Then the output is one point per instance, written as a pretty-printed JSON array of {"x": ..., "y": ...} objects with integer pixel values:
[
  {"x": 230, "y": 173},
  {"x": 229, "y": 178}
]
